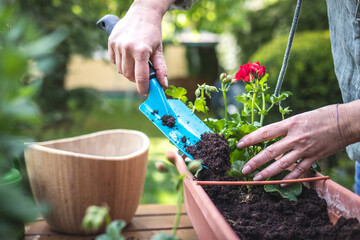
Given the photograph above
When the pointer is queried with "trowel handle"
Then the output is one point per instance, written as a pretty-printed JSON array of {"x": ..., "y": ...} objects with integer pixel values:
[{"x": 107, "y": 23}]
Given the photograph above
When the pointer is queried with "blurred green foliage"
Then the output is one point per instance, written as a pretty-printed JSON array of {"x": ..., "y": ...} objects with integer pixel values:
[
  {"x": 216, "y": 16},
  {"x": 310, "y": 74},
  {"x": 77, "y": 20},
  {"x": 24, "y": 52},
  {"x": 275, "y": 20}
]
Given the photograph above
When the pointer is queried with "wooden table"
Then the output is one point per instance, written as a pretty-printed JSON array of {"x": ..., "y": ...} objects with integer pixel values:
[{"x": 148, "y": 220}]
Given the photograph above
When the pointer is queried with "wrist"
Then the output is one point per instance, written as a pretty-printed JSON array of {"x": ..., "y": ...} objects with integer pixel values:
[
  {"x": 158, "y": 7},
  {"x": 348, "y": 115}
]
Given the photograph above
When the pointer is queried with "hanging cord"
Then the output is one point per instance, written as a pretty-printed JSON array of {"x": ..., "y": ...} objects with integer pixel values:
[{"x": 288, "y": 48}]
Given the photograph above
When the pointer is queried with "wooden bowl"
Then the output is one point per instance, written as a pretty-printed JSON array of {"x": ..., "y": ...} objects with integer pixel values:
[{"x": 106, "y": 167}]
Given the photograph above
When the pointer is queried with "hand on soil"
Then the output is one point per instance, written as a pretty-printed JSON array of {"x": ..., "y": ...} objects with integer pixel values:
[{"x": 309, "y": 136}]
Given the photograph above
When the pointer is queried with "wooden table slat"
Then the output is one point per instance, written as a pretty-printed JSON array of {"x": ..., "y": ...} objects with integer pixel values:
[{"x": 148, "y": 220}]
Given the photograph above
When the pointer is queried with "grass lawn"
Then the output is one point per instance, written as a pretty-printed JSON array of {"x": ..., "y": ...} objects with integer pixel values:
[{"x": 123, "y": 113}]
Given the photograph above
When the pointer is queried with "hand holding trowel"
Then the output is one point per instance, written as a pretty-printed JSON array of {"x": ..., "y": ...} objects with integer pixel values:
[{"x": 174, "y": 119}]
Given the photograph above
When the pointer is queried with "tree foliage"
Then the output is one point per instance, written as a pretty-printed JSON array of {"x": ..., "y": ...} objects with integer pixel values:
[
  {"x": 77, "y": 19},
  {"x": 275, "y": 20},
  {"x": 310, "y": 74},
  {"x": 24, "y": 54}
]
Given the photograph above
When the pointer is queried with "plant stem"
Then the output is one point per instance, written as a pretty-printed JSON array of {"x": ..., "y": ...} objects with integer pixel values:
[
  {"x": 252, "y": 108},
  {"x": 282, "y": 114},
  {"x": 263, "y": 108},
  {"x": 107, "y": 218},
  {"x": 225, "y": 100},
  {"x": 270, "y": 107},
  {"x": 178, "y": 211},
  {"x": 203, "y": 98}
]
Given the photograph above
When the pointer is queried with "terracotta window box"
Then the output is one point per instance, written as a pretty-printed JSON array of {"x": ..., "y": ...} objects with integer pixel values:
[{"x": 210, "y": 224}]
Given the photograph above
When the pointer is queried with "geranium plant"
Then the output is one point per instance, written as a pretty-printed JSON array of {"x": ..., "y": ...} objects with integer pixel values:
[{"x": 256, "y": 102}]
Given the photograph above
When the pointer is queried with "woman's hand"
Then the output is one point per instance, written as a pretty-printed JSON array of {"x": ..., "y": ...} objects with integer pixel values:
[
  {"x": 136, "y": 39},
  {"x": 307, "y": 137}
]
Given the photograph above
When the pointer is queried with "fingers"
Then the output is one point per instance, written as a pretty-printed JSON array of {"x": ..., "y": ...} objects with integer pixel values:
[
  {"x": 127, "y": 66},
  {"x": 278, "y": 166},
  {"x": 111, "y": 53},
  {"x": 262, "y": 134},
  {"x": 159, "y": 65},
  {"x": 269, "y": 153},
  {"x": 142, "y": 76},
  {"x": 300, "y": 168}
]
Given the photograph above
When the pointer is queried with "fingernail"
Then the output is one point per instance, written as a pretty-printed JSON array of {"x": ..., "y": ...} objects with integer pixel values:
[
  {"x": 166, "y": 82},
  {"x": 258, "y": 177},
  {"x": 246, "y": 170},
  {"x": 240, "y": 144}
]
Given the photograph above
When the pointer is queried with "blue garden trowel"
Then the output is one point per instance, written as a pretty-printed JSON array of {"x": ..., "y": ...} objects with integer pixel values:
[{"x": 188, "y": 127}]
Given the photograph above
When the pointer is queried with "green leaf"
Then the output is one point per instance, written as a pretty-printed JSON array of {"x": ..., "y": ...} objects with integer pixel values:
[
  {"x": 177, "y": 93},
  {"x": 274, "y": 99},
  {"x": 247, "y": 128},
  {"x": 264, "y": 79},
  {"x": 232, "y": 132},
  {"x": 236, "y": 168},
  {"x": 163, "y": 236},
  {"x": 290, "y": 191},
  {"x": 248, "y": 88},
  {"x": 113, "y": 231},
  {"x": 237, "y": 154},
  {"x": 190, "y": 105},
  {"x": 236, "y": 117},
  {"x": 219, "y": 125},
  {"x": 263, "y": 112},
  {"x": 200, "y": 105},
  {"x": 94, "y": 218},
  {"x": 232, "y": 143},
  {"x": 284, "y": 110}
]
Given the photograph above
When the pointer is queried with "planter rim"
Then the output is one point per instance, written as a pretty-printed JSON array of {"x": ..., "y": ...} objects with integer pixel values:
[
  {"x": 340, "y": 201},
  {"x": 42, "y": 146},
  {"x": 207, "y": 207}
]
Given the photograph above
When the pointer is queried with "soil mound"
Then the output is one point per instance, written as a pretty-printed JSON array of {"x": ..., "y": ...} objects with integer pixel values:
[{"x": 214, "y": 152}]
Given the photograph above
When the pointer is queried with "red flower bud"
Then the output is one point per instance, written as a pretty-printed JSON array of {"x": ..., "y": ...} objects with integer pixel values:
[
  {"x": 161, "y": 167},
  {"x": 222, "y": 76}
]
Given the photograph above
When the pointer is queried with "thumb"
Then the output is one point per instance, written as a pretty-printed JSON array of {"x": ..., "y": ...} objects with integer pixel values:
[{"x": 159, "y": 65}]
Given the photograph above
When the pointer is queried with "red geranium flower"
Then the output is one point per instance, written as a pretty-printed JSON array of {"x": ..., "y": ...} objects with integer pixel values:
[
  {"x": 249, "y": 71},
  {"x": 261, "y": 71}
]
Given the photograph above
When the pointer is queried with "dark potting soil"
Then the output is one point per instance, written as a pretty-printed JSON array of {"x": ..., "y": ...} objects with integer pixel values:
[
  {"x": 183, "y": 139},
  {"x": 214, "y": 152},
  {"x": 168, "y": 120},
  {"x": 256, "y": 214}
]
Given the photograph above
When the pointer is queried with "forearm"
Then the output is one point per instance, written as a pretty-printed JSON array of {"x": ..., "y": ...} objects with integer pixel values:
[
  {"x": 157, "y": 7},
  {"x": 349, "y": 122}
]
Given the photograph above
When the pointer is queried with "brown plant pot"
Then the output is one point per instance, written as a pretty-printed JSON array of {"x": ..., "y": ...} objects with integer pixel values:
[
  {"x": 210, "y": 224},
  {"x": 106, "y": 167}
]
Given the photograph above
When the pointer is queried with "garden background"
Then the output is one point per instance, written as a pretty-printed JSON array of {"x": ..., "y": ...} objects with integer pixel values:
[{"x": 56, "y": 81}]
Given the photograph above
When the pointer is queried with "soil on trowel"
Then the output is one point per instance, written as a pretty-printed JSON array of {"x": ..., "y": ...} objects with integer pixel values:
[
  {"x": 256, "y": 214},
  {"x": 168, "y": 120},
  {"x": 183, "y": 139},
  {"x": 214, "y": 152}
]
